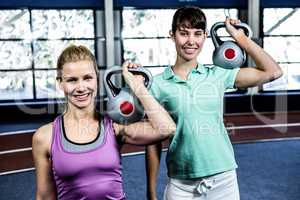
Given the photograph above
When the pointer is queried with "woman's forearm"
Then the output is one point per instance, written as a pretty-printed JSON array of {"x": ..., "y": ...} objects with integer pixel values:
[
  {"x": 262, "y": 59},
  {"x": 157, "y": 115}
]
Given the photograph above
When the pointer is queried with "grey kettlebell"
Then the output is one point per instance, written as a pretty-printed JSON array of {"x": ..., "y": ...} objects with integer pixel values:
[
  {"x": 122, "y": 105},
  {"x": 228, "y": 54}
]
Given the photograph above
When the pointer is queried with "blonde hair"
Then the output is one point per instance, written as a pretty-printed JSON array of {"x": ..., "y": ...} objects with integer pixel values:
[{"x": 74, "y": 53}]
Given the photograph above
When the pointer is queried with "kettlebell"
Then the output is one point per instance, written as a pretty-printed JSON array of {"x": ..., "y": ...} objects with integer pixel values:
[
  {"x": 123, "y": 106},
  {"x": 228, "y": 54}
]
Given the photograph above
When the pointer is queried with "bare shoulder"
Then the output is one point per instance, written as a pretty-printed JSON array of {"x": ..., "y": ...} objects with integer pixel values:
[{"x": 42, "y": 137}]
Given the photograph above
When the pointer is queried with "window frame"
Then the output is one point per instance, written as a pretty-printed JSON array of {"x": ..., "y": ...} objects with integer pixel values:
[
  {"x": 263, "y": 36},
  {"x": 32, "y": 70},
  {"x": 237, "y": 91}
]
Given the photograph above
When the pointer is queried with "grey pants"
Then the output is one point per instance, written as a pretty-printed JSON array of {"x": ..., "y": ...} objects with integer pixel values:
[{"x": 222, "y": 186}]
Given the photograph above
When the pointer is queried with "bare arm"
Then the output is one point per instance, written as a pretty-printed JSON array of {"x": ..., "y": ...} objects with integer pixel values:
[
  {"x": 40, "y": 148},
  {"x": 153, "y": 154},
  {"x": 266, "y": 68},
  {"x": 159, "y": 124}
]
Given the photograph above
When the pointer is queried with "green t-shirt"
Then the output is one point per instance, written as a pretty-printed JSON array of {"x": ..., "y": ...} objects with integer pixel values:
[{"x": 200, "y": 146}]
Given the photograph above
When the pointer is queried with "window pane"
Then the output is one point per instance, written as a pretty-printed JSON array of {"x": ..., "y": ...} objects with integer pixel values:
[
  {"x": 293, "y": 76},
  {"x": 150, "y": 52},
  {"x": 47, "y": 52},
  {"x": 147, "y": 23},
  {"x": 14, "y": 24},
  {"x": 281, "y": 21},
  {"x": 157, "y": 52},
  {"x": 289, "y": 81},
  {"x": 16, "y": 85},
  {"x": 15, "y": 55},
  {"x": 283, "y": 49},
  {"x": 219, "y": 15},
  {"x": 157, "y": 23},
  {"x": 63, "y": 23},
  {"x": 46, "y": 85}
]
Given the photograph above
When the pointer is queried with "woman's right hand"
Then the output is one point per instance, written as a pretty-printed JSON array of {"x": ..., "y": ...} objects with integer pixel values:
[
  {"x": 135, "y": 82},
  {"x": 233, "y": 31}
]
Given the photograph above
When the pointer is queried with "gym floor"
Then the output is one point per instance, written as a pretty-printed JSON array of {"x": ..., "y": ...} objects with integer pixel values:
[{"x": 267, "y": 171}]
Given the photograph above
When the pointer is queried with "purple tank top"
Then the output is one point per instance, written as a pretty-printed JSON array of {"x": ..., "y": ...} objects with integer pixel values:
[{"x": 91, "y": 175}]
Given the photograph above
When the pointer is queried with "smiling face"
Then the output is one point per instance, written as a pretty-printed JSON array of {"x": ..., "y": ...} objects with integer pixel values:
[
  {"x": 188, "y": 32},
  {"x": 188, "y": 43},
  {"x": 77, "y": 76},
  {"x": 79, "y": 83}
]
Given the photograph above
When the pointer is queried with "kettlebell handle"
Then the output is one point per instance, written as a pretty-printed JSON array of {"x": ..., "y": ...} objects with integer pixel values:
[
  {"x": 217, "y": 41},
  {"x": 112, "y": 91}
]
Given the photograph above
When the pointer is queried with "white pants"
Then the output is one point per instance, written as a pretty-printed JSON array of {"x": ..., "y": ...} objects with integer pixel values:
[{"x": 222, "y": 186}]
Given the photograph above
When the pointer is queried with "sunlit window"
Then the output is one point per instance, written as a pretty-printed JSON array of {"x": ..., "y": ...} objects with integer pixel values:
[
  {"x": 30, "y": 43},
  {"x": 145, "y": 36},
  {"x": 282, "y": 42}
]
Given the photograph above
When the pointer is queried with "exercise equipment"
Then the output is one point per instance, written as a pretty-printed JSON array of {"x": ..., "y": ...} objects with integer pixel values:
[
  {"x": 228, "y": 54},
  {"x": 122, "y": 105}
]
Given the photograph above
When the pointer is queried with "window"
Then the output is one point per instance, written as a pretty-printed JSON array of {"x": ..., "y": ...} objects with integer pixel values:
[
  {"x": 145, "y": 35},
  {"x": 31, "y": 41},
  {"x": 146, "y": 40},
  {"x": 282, "y": 42}
]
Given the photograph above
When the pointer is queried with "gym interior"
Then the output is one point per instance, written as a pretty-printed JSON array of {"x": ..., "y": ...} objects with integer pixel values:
[{"x": 263, "y": 122}]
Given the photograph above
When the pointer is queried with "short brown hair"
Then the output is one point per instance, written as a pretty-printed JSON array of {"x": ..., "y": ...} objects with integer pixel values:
[
  {"x": 189, "y": 17},
  {"x": 74, "y": 53}
]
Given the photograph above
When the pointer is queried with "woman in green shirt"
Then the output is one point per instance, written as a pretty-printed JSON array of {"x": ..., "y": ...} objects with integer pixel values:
[{"x": 200, "y": 158}]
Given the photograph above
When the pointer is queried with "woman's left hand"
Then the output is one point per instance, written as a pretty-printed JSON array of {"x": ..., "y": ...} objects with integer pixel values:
[
  {"x": 135, "y": 82},
  {"x": 233, "y": 31}
]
